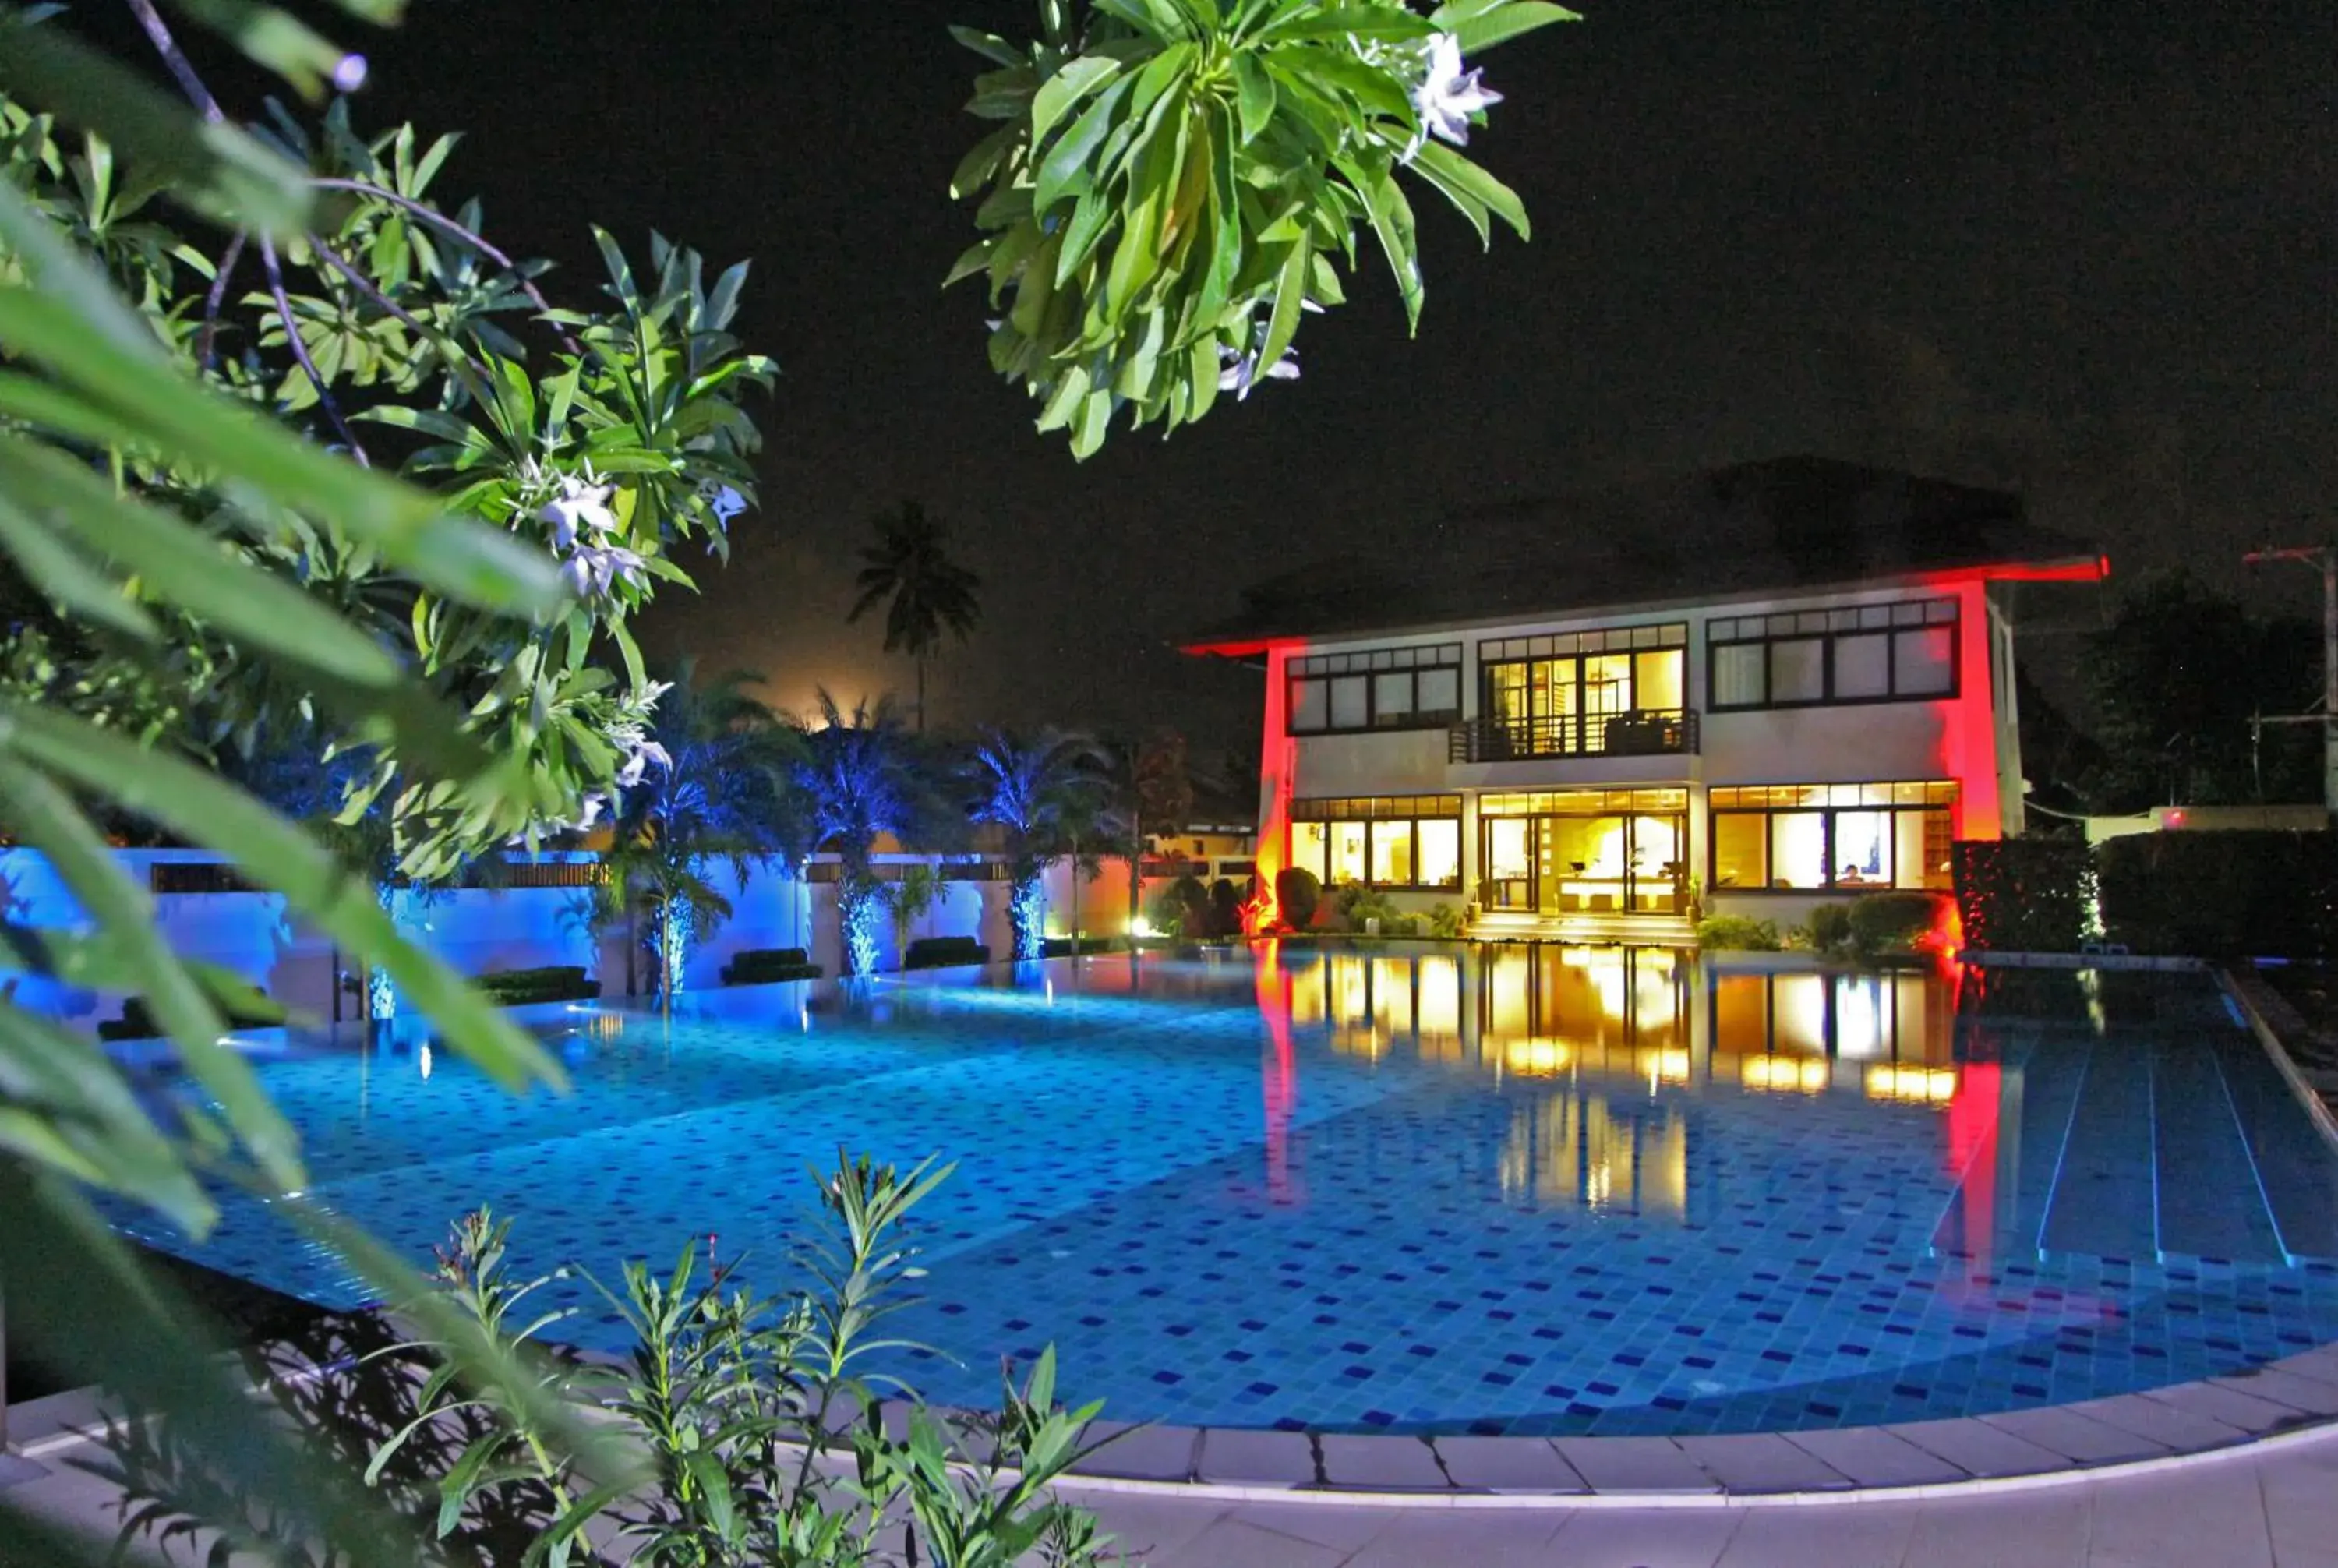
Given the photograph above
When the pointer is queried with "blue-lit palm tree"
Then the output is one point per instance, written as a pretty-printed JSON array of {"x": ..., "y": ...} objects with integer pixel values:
[
  {"x": 858, "y": 774},
  {"x": 1036, "y": 790},
  {"x": 712, "y": 785}
]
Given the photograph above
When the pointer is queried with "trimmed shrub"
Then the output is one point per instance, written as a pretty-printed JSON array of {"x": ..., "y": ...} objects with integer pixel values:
[
  {"x": 1831, "y": 926},
  {"x": 1225, "y": 909},
  {"x": 2023, "y": 895},
  {"x": 1061, "y": 946},
  {"x": 1193, "y": 901},
  {"x": 1737, "y": 933},
  {"x": 1165, "y": 912},
  {"x": 1299, "y": 894},
  {"x": 769, "y": 967},
  {"x": 1886, "y": 923},
  {"x": 520, "y": 988},
  {"x": 944, "y": 952},
  {"x": 1445, "y": 921},
  {"x": 2218, "y": 894},
  {"x": 137, "y": 1020}
]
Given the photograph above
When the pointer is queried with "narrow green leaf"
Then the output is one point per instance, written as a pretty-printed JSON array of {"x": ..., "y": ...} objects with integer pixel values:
[
  {"x": 78, "y": 586},
  {"x": 464, "y": 559},
  {"x": 199, "y": 807},
  {"x": 990, "y": 46},
  {"x": 1069, "y": 167},
  {"x": 63, "y": 272},
  {"x": 1075, "y": 80},
  {"x": 46, "y": 818},
  {"x": 281, "y": 42},
  {"x": 1465, "y": 182},
  {"x": 215, "y": 167},
  {"x": 1507, "y": 22},
  {"x": 1290, "y": 304}
]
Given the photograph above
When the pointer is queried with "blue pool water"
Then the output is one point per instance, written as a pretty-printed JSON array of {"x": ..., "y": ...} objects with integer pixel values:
[{"x": 1527, "y": 1190}]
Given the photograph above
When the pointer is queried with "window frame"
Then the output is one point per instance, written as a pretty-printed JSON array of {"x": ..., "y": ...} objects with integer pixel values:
[
  {"x": 1937, "y": 797},
  {"x": 1378, "y": 813},
  {"x": 1371, "y": 666},
  {"x": 1828, "y": 628}
]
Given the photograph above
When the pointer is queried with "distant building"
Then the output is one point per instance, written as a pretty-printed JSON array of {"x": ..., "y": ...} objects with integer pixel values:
[{"x": 1752, "y": 691}]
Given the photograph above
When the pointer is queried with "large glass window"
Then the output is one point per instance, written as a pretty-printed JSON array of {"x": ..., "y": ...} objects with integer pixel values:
[
  {"x": 1839, "y": 837},
  {"x": 1384, "y": 688},
  {"x": 1864, "y": 653},
  {"x": 1405, "y": 841},
  {"x": 1563, "y": 693}
]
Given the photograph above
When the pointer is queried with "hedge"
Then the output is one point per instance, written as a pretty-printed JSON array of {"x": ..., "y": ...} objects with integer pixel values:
[
  {"x": 137, "y": 1020},
  {"x": 944, "y": 952},
  {"x": 519, "y": 987},
  {"x": 1061, "y": 946},
  {"x": 2023, "y": 895},
  {"x": 769, "y": 967},
  {"x": 2221, "y": 894},
  {"x": 1886, "y": 923}
]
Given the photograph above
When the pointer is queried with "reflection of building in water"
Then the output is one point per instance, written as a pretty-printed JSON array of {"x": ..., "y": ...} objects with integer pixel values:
[
  {"x": 1645, "y": 1013},
  {"x": 1571, "y": 1150}
]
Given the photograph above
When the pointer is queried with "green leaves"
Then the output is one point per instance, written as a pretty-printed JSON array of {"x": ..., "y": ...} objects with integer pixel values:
[
  {"x": 1175, "y": 176},
  {"x": 218, "y": 170}
]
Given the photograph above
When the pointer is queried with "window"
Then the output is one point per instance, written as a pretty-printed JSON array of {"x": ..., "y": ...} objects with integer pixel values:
[
  {"x": 1865, "y": 653},
  {"x": 1385, "y": 689},
  {"x": 1404, "y": 841},
  {"x": 1844, "y": 837},
  {"x": 1555, "y": 695}
]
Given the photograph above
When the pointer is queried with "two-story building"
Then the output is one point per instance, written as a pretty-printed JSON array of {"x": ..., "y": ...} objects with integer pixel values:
[{"x": 1750, "y": 692}]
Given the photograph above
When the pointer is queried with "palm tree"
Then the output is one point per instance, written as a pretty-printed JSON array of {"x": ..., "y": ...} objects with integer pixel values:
[
  {"x": 712, "y": 785},
  {"x": 857, "y": 773},
  {"x": 1152, "y": 793},
  {"x": 1036, "y": 790},
  {"x": 925, "y": 593}
]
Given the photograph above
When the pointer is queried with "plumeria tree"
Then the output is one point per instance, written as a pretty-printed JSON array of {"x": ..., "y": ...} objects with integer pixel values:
[
  {"x": 202, "y": 406},
  {"x": 705, "y": 781},
  {"x": 1175, "y": 184},
  {"x": 859, "y": 773},
  {"x": 1036, "y": 791}
]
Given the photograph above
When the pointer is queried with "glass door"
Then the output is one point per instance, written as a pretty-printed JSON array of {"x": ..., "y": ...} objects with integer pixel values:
[
  {"x": 1509, "y": 845},
  {"x": 1659, "y": 865}
]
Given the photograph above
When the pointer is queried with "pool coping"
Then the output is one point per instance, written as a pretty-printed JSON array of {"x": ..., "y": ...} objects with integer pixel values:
[{"x": 2248, "y": 1412}]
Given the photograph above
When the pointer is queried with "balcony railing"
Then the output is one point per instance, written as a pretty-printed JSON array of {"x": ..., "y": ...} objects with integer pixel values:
[{"x": 1646, "y": 732}]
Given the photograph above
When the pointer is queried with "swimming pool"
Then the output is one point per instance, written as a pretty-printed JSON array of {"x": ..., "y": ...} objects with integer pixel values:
[{"x": 1525, "y": 1190}]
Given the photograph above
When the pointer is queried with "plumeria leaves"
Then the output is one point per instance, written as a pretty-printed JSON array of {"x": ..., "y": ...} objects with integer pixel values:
[{"x": 1173, "y": 180}]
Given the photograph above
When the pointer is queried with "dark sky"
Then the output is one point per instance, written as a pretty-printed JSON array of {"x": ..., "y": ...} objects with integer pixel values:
[{"x": 2085, "y": 244}]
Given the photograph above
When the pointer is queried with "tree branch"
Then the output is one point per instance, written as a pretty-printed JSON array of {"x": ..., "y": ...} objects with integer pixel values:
[
  {"x": 301, "y": 351},
  {"x": 476, "y": 241},
  {"x": 158, "y": 33},
  {"x": 215, "y": 299},
  {"x": 365, "y": 286}
]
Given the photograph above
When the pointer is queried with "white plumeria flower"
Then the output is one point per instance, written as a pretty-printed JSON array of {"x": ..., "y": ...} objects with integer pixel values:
[
  {"x": 1241, "y": 372},
  {"x": 1448, "y": 95},
  {"x": 594, "y": 805},
  {"x": 582, "y": 507},
  {"x": 593, "y": 570},
  {"x": 639, "y": 761}
]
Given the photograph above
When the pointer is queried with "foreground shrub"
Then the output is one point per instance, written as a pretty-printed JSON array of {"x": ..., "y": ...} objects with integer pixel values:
[
  {"x": 698, "y": 1448},
  {"x": 1299, "y": 893},
  {"x": 2023, "y": 895},
  {"x": 1737, "y": 933},
  {"x": 1444, "y": 921},
  {"x": 1225, "y": 909},
  {"x": 1829, "y": 926},
  {"x": 1165, "y": 912},
  {"x": 1886, "y": 923}
]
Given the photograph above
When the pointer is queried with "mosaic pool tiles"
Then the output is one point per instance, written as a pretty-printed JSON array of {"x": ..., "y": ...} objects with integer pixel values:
[{"x": 1226, "y": 1218}]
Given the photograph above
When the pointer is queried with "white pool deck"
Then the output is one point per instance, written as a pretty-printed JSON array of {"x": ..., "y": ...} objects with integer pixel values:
[{"x": 2272, "y": 1504}]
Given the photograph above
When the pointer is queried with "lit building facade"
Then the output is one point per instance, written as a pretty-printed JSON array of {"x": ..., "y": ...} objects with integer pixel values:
[{"x": 1750, "y": 693}]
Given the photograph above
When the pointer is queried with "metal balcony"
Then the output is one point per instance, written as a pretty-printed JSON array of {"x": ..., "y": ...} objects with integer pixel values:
[{"x": 1646, "y": 732}]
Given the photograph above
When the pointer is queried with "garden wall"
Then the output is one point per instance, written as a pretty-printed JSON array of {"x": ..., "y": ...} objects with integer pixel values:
[{"x": 207, "y": 917}]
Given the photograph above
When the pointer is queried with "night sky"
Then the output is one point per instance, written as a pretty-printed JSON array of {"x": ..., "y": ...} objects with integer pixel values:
[{"x": 2082, "y": 244}]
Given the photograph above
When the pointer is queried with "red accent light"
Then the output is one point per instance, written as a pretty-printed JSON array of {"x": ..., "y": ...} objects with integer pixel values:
[
  {"x": 1279, "y": 1073},
  {"x": 2175, "y": 818}
]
